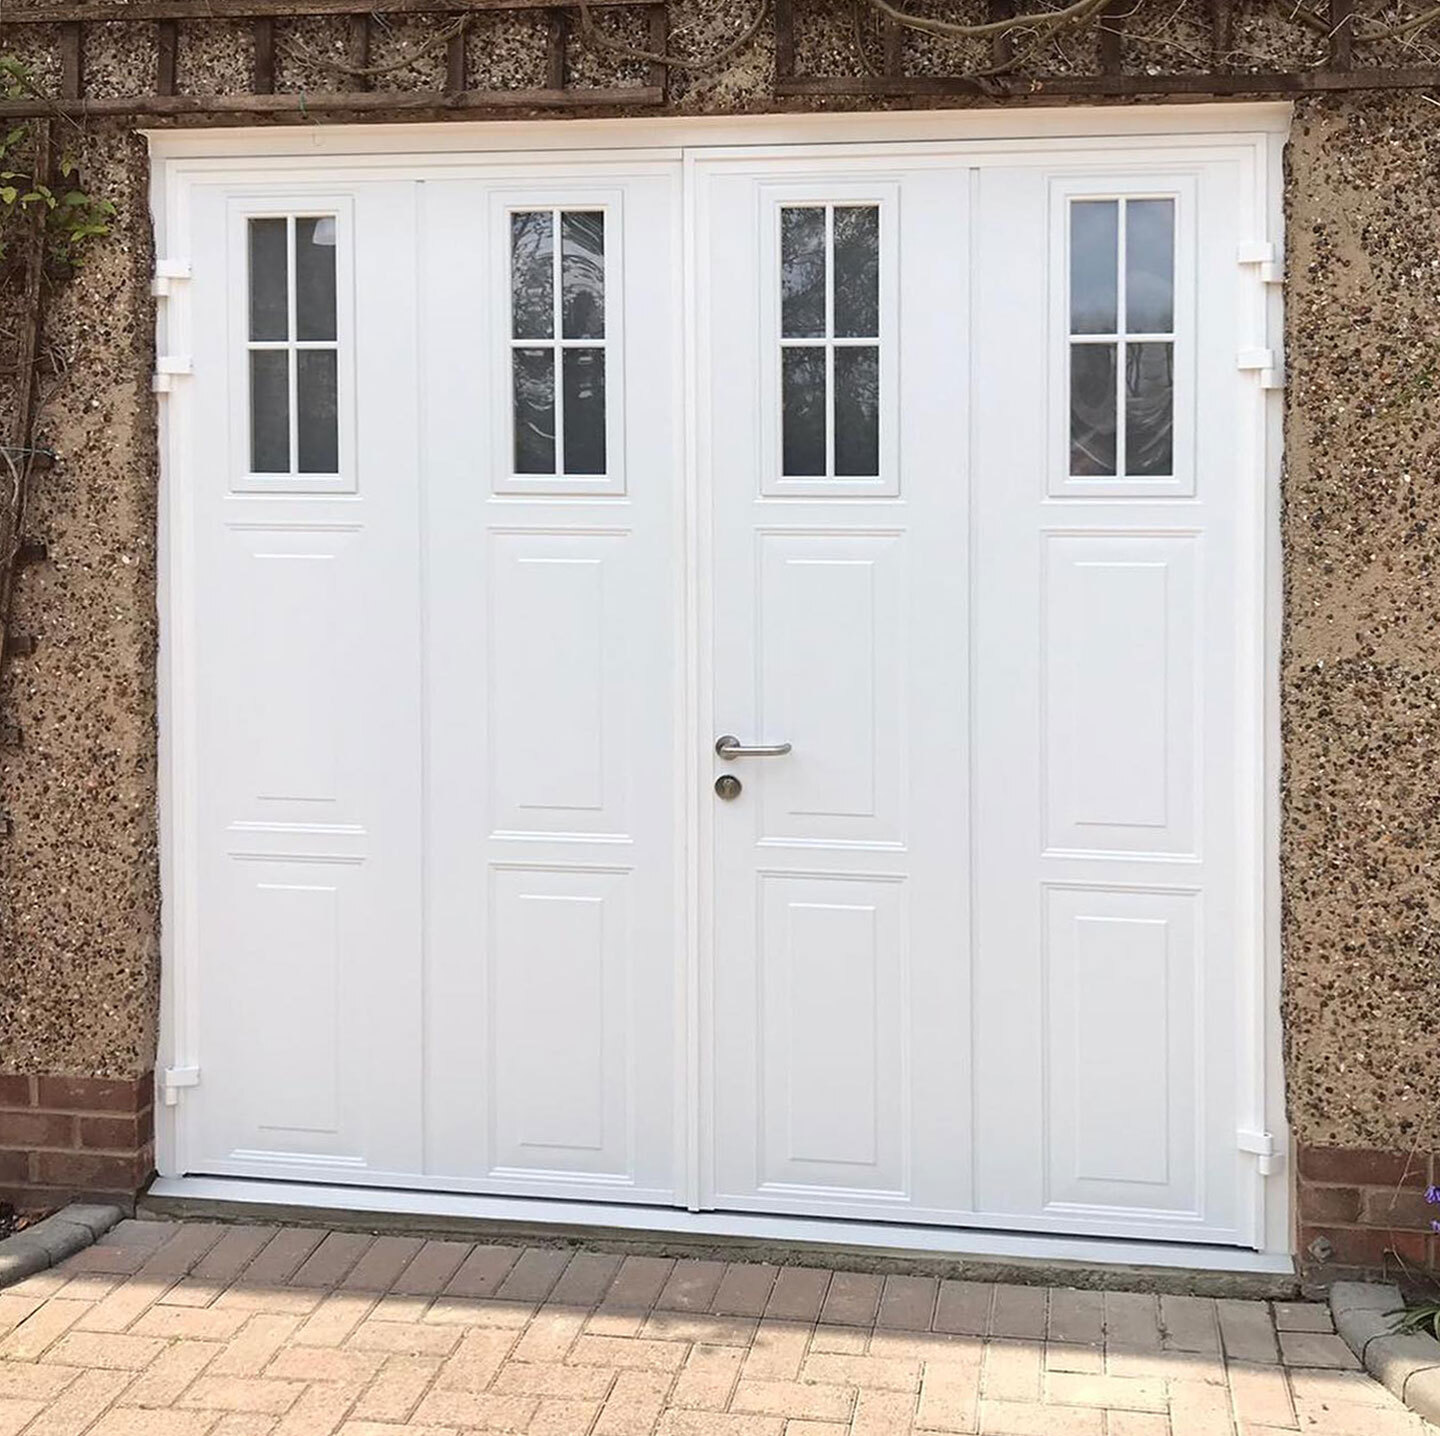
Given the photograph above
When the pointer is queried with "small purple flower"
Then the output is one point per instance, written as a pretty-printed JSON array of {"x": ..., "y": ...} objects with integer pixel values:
[
  {"x": 1432, "y": 1195},
  {"x": 1435, "y": 1227}
]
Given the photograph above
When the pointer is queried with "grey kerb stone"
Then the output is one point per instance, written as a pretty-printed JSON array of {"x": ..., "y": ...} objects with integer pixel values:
[
  {"x": 1407, "y": 1364},
  {"x": 52, "y": 1240}
]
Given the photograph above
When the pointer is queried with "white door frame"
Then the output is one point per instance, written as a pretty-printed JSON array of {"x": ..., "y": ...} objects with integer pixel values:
[{"x": 1254, "y": 134}]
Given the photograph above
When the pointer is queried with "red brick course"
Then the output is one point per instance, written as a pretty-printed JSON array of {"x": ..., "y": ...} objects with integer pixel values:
[
  {"x": 68, "y": 1138},
  {"x": 1365, "y": 1211}
]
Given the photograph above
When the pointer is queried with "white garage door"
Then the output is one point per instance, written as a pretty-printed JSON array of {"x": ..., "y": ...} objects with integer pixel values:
[{"x": 929, "y": 480}]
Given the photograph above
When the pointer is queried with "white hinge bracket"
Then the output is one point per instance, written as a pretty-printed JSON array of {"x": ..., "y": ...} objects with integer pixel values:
[
  {"x": 174, "y": 1078},
  {"x": 1268, "y": 264},
  {"x": 1265, "y": 363},
  {"x": 1261, "y": 1145},
  {"x": 168, "y": 272},
  {"x": 167, "y": 368}
]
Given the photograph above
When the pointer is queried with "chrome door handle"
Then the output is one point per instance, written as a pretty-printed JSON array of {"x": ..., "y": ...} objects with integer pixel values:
[{"x": 729, "y": 746}]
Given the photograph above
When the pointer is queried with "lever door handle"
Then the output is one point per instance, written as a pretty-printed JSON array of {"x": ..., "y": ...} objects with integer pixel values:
[{"x": 729, "y": 746}]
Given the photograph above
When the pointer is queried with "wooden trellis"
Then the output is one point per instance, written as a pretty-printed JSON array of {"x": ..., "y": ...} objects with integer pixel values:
[{"x": 159, "y": 96}]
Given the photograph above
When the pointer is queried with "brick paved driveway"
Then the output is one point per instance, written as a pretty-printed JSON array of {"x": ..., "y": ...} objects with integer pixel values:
[{"x": 195, "y": 1329}]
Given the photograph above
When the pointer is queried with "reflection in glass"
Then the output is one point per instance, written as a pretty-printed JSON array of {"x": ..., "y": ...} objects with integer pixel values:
[
  {"x": 802, "y": 412},
  {"x": 318, "y": 411},
  {"x": 1149, "y": 409},
  {"x": 1149, "y": 266},
  {"x": 1092, "y": 410},
  {"x": 532, "y": 274},
  {"x": 315, "y": 278},
  {"x": 269, "y": 280},
  {"x": 857, "y": 271},
  {"x": 802, "y": 272},
  {"x": 582, "y": 275},
  {"x": 269, "y": 411},
  {"x": 857, "y": 412},
  {"x": 534, "y": 381},
  {"x": 1094, "y": 265},
  {"x": 583, "y": 373}
]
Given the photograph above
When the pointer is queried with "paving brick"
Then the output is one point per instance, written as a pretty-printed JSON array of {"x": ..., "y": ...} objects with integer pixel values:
[
  {"x": 1137, "y": 1423},
  {"x": 319, "y": 1411},
  {"x": 1019, "y": 1311},
  {"x": 197, "y": 1323},
  {"x": 586, "y": 1279},
  {"x": 90, "y": 1394},
  {"x": 481, "y": 1273},
  {"x": 555, "y": 1417},
  {"x": 798, "y": 1293},
  {"x": 908, "y": 1302},
  {"x": 132, "y": 1421},
  {"x": 1124, "y": 1393},
  {"x": 840, "y": 1340},
  {"x": 1246, "y": 1331},
  {"x": 405, "y": 1338},
  {"x": 16, "y": 1413},
  {"x": 1189, "y": 1323},
  {"x": 1061, "y": 1357},
  {"x": 634, "y": 1404},
  {"x": 250, "y": 1350},
  {"x": 379, "y": 1428},
  {"x": 803, "y": 1426},
  {"x": 190, "y": 1291},
  {"x": 269, "y": 1296},
  {"x": 718, "y": 1423},
  {"x": 949, "y": 1398},
  {"x": 476, "y": 1360},
  {"x": 1011, "y": 1371},
  {"x": 105, "y": 1350},
  {"x": 883, "y": 1413},
  {"x": 708, "y": 1378},
  {"x": 395, "y": 1307},
  {"x": 14, "y": 1309},
  {"x": 384, "y": 1260},
  {"x": 463, "y": 1311},
  {"x": 1197, "y": 1409},
  {"x": 700, "y": 1327},
  {"x": 931, "y": 1347},
  {"x": 283, "y": 1255},
  {"x": 1316, "y": 1348},
  {"x": 547, "y": 1378},
  {"x": 1260, "y": 1394},
  {"x": 483, "y": 1409},
  {"x": 880, "y": 1373},
  {"x": 1392, "y": 1420},
  {"x": 777, "y": 1351},
  {"x": 432, "y": 1267},
  {"x": 744, "y": 1289},
  {"x": 244, "y": 1423},
  {"x": 625, "y": 1352},
  {"x": 1302, "y": 1316},
  {"x": 1343, "y": 1387},
  {"x": 87, "y": 1286},
  {"x": 852, "y": 1299},
  {"x": 638, "y": 1283},
  {"x": 964, "y": 1307},
  {"x": 29, "y": 1340},
  {"x": 164, "y": 1381},
  {"x": 550, "y": 1334},
  {"x": 793, "y": 1398},
  {"x": 1020, "y": 1418},
  {"x": 533, "y": 1274},
  {"x": 1168, "y": 1366},
  {"x": 691, "y": 1286},
  {"x": 1132, "y": 1321},
  {"x": 25, "y": 1381},
  {"x": 333, "y": 1259},
  {"x": 324, "y": 1363},
  {"x": 243, "y": 1393},
  {"x": 335, "y": 1318},
  {"x": 119, "y": 1261},
  {"x": 1077, "y": 1317},
  {"x": 235, "y": 1249},
  {"x": 397, "y": 1390}
]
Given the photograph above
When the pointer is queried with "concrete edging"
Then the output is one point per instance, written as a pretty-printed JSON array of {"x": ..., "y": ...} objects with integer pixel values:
[
  {"x": 1407, "y": 1364},
  {"x": 52, "y": 1240}
]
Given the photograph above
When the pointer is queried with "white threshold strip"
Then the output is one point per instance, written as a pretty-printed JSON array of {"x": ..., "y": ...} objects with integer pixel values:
[{"x": 877, "y": 1237}]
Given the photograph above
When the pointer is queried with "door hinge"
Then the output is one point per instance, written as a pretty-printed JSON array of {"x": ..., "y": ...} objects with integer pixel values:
[
  {"x": 167, "y": 273},
  {"x": 167, "y": 368},
  {"x": 1265, "y": 363},
  {"x": 1261, "y": 253},
  {"x": 1261, "y": 1145},
  {"x": 174, "y": 1078}
]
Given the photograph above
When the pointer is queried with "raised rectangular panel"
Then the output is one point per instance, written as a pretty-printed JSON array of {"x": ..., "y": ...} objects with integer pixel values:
[
  {"x": 1123, "y": 1016},
  {"x": 831, "y": 686},
  {"x": 833, "y": 1043},
  {"x": 291, "y": 656},
  {"x": 1120, "y": 655},
  {"x": 557, "y": 684},
  {"x": 557, "y": 1021}
]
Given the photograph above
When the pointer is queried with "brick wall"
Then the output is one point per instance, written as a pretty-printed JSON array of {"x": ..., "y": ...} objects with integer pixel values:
[
  {"x": 1365, "y": 1210},
  {"x": 68, "y": 1137}
]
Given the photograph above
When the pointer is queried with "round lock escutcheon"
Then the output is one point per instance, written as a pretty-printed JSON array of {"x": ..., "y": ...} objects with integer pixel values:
[{"x": 727, "y": 786}]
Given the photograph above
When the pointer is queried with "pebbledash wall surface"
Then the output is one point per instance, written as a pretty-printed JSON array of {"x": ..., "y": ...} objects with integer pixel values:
[{"x": 1360, "y": 684}]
